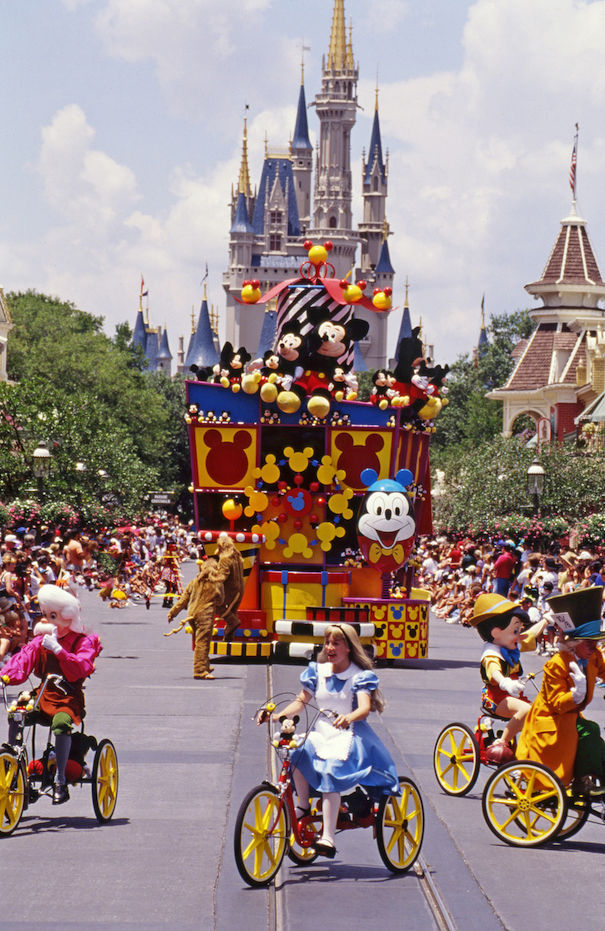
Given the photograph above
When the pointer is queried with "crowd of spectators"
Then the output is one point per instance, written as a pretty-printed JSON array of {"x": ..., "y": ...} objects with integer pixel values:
[
  {"x": 455, "y": 574},
  {"x": 73, "y": 559}
]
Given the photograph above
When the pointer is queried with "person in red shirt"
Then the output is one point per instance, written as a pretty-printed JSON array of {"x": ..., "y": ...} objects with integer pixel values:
[{"x": 503, "y": 571}]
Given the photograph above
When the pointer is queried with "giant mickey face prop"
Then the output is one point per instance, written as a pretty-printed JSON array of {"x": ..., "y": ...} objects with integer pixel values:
[{"x": 386, "y": 527}]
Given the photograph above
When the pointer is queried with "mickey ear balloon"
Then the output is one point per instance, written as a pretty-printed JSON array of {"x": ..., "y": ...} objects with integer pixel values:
[{"x": 386, "y": 526}]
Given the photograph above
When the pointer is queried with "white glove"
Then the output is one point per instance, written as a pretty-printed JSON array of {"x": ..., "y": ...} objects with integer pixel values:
[
  {"x": 578, "y": 692},
  {"x": 50, "y": 642},
  {"x": 512, "y": 686}
]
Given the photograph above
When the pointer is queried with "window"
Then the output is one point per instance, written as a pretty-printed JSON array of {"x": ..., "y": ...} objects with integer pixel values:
[
  {"x": 276, "y": 217},
  {"x": 274, "y": 242},
  {"x": 332, "y": 223},
  {"x": 375, "y": 182}
]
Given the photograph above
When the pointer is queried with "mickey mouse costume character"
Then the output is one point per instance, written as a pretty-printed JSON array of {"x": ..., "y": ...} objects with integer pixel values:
[
  {"x": 499, "y": 622},
  {"x": 63, "y": 649},
  {"x": 555, "y": 732}
]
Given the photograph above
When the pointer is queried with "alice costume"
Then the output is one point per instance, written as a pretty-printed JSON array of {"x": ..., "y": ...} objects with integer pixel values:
[{"x": 336, "y": 760}]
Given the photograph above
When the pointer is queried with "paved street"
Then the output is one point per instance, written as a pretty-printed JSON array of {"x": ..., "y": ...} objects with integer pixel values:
[{"x": 188, "y": 753}]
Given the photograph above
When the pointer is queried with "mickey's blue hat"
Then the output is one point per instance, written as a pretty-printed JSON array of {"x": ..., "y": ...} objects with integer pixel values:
[{"x": 369, "y": 477}]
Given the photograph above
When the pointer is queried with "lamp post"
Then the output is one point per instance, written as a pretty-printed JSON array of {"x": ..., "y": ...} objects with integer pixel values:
[
  {"x": 535, "y": 483},
  {"x": 41, "y": 462}
]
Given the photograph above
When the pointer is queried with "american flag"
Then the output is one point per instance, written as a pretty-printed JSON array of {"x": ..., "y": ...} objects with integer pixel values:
[
  {"x": 574, "y": 162},
  {"x": 143, "y": 291}
]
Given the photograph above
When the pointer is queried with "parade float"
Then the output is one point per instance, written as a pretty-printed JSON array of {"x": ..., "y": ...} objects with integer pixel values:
[{"x": 323, "y": 494}]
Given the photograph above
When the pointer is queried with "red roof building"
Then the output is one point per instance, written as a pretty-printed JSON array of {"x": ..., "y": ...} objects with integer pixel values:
[{"x": 561, "y": 368}]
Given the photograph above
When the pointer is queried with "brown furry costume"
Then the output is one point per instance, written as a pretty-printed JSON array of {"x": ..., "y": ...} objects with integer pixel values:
[
  {"x": 231, "y": 574},
  {"x": 201, "y": 598}
]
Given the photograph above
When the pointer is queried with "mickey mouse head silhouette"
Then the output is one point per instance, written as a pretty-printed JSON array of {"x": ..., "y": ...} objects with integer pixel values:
[
  {"x": 226, "y": 461},
  {"x": 354, "y": 458}
]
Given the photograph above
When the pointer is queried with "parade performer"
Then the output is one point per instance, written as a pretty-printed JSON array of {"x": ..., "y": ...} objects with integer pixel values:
[
  {"x": 62, "y": 648},
  {"x": 231, "y": 574},
  {"x": 500, "y": 623},
  {"x": 337, "y": 756},
  {"x": 201, "y": 597},
  {"x": 555, "y": 732}
]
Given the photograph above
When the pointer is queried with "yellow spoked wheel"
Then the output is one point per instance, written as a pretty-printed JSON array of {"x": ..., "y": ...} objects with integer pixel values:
[
  {"x": 261, "y": 836},
  {"x": 400, "y": 827},
  {"x": 456, "y": 759},
  {"x": 105, "y": 781},
  {"x": 524, "y": 804},
  {"x": 578, "y": 810},
  {"x": 13, "y": 783}
]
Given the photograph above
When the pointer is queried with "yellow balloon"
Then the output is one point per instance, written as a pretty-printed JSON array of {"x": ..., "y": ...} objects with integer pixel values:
[
  {"x": 250, "y": 295},
  {"x": 352, "y": 294},
  {"x": 317, "y": 255},
  {"x": 381, "y": 301},
  {"x": 232, "y": 509}
]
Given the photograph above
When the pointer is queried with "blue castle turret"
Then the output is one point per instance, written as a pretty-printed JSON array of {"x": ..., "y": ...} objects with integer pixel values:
[
  {"x": 164, "y": 356},
  {"x": 268, "y": 334},
  {"x": 202, "y": 351}
]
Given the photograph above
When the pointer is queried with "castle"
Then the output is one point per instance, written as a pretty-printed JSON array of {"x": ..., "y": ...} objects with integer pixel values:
[{"x": 270, "y": 224}]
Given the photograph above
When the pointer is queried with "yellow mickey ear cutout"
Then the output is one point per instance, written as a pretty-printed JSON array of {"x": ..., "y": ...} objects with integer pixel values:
[
  {"x": 258, "y": 501},
  {"x": 298, "y": 461},
  {"x": 271, "y": 531},
  {"x": 269, "y": 472},
  {"x": 298, "y": 543}
]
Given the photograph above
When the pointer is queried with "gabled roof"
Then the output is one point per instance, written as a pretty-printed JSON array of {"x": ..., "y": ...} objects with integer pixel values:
[
  {"x": 301, "y": 130},
  {"x": 280, "y": 170}
]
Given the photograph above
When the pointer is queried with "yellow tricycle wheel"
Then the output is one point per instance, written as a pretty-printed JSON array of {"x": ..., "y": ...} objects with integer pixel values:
[
  {"x": 456, "y": 759},
  {"x": 524, "y": 804},
  {"x": 400, "y": 827},
  {"x": 105, "y": 780},
  {"x": 261, "y": 836},
  {"x": 13, "y": 782}
]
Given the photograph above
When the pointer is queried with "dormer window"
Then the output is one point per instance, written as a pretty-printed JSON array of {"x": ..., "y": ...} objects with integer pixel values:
[
  {"x": 276, "y": 217},
  {"x": 275, "y": 242}
]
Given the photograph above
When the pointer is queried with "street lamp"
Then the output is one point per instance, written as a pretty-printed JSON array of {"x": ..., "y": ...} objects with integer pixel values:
[
  {"x": 41, "y": 462},
  {"x": 535, "y": 483}
]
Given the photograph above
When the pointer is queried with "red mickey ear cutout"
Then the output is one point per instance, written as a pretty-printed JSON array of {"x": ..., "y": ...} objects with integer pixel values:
[
  {"x": 213, "y": 438},
  {"x": 344, "y": 441}
]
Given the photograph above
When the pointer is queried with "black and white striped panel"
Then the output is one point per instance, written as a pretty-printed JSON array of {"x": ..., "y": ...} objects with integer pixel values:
[
  {"x": 293, "y": 304},
  {"x": 316, "y": 629}
]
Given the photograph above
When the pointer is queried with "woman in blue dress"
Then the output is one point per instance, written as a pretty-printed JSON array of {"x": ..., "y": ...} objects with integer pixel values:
[{"x": 342, "y": 752}]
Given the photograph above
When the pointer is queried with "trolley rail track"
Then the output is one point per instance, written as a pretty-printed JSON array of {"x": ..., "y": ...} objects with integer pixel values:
[{"x": 422, "y": 870}]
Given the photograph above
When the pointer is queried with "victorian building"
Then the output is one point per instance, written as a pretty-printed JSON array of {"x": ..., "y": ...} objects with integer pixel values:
[{"x": 561, "y": 368}]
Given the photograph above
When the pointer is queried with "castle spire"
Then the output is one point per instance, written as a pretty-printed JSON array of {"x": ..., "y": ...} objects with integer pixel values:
[
  {"x": 244, "y": 172},
  {"x": 338, "y": 50}
]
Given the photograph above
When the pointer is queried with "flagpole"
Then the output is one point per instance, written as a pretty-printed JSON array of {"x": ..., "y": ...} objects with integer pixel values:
[{"x": 574, "y": 166}]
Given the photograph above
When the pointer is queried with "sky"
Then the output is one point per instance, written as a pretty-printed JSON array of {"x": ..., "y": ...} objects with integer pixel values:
[{"x": 121, "y": 125}]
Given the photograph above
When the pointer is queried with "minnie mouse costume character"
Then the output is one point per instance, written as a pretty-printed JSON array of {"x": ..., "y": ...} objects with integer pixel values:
[{"x": 63, "y": 649}]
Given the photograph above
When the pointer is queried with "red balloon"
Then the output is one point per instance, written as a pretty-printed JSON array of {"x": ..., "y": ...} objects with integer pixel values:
[
  {"x": 246, "y": 283},
  {"x": 282, "y": 486},
  {"x": 307, "y": 244},
  {"x": 343, "y": 283},
  {"x": 377, "y": 291},
  {"x": 276, "y": 502},
  {"x": 362, "y": 284},
  {"x": 388, "y": 291},
  {"x": 255, "y": 283},
  {"x": 298, "y": 524},
  {"x": 282, "y": 518},
  {"x": 313, "y": 519},
  {"x": 321, "y": 502},
  {"x": 298, "y": 479},
  {"x": 314, "y": 486},
  {"x": 328, "y": 246}
]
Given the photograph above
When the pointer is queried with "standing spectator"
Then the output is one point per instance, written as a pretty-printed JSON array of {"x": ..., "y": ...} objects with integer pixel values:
[
  {"x": 73, "y": 551},
  {"x": 503, "y": 570}
]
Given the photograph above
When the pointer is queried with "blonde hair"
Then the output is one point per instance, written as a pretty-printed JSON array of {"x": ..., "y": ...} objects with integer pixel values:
[{"x": 357, "y": 655}]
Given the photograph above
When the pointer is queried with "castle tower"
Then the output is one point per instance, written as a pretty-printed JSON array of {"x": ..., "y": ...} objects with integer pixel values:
[
  {"x": 374, "y": 177},
  {"x": 336, "y": 108},
  {"x": 301, "y": 152},
  {"x": 164, "y": 356},
  {"x": 202, "y": 351}
]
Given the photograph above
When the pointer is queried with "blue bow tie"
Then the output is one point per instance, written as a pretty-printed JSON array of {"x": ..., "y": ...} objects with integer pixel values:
[
  {"x": 582, "y": 663},
  {"x": 511, "y": 656}
]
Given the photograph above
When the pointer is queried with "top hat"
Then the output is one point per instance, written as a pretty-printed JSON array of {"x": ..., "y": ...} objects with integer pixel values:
[{"x": 578, "y": 614}]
